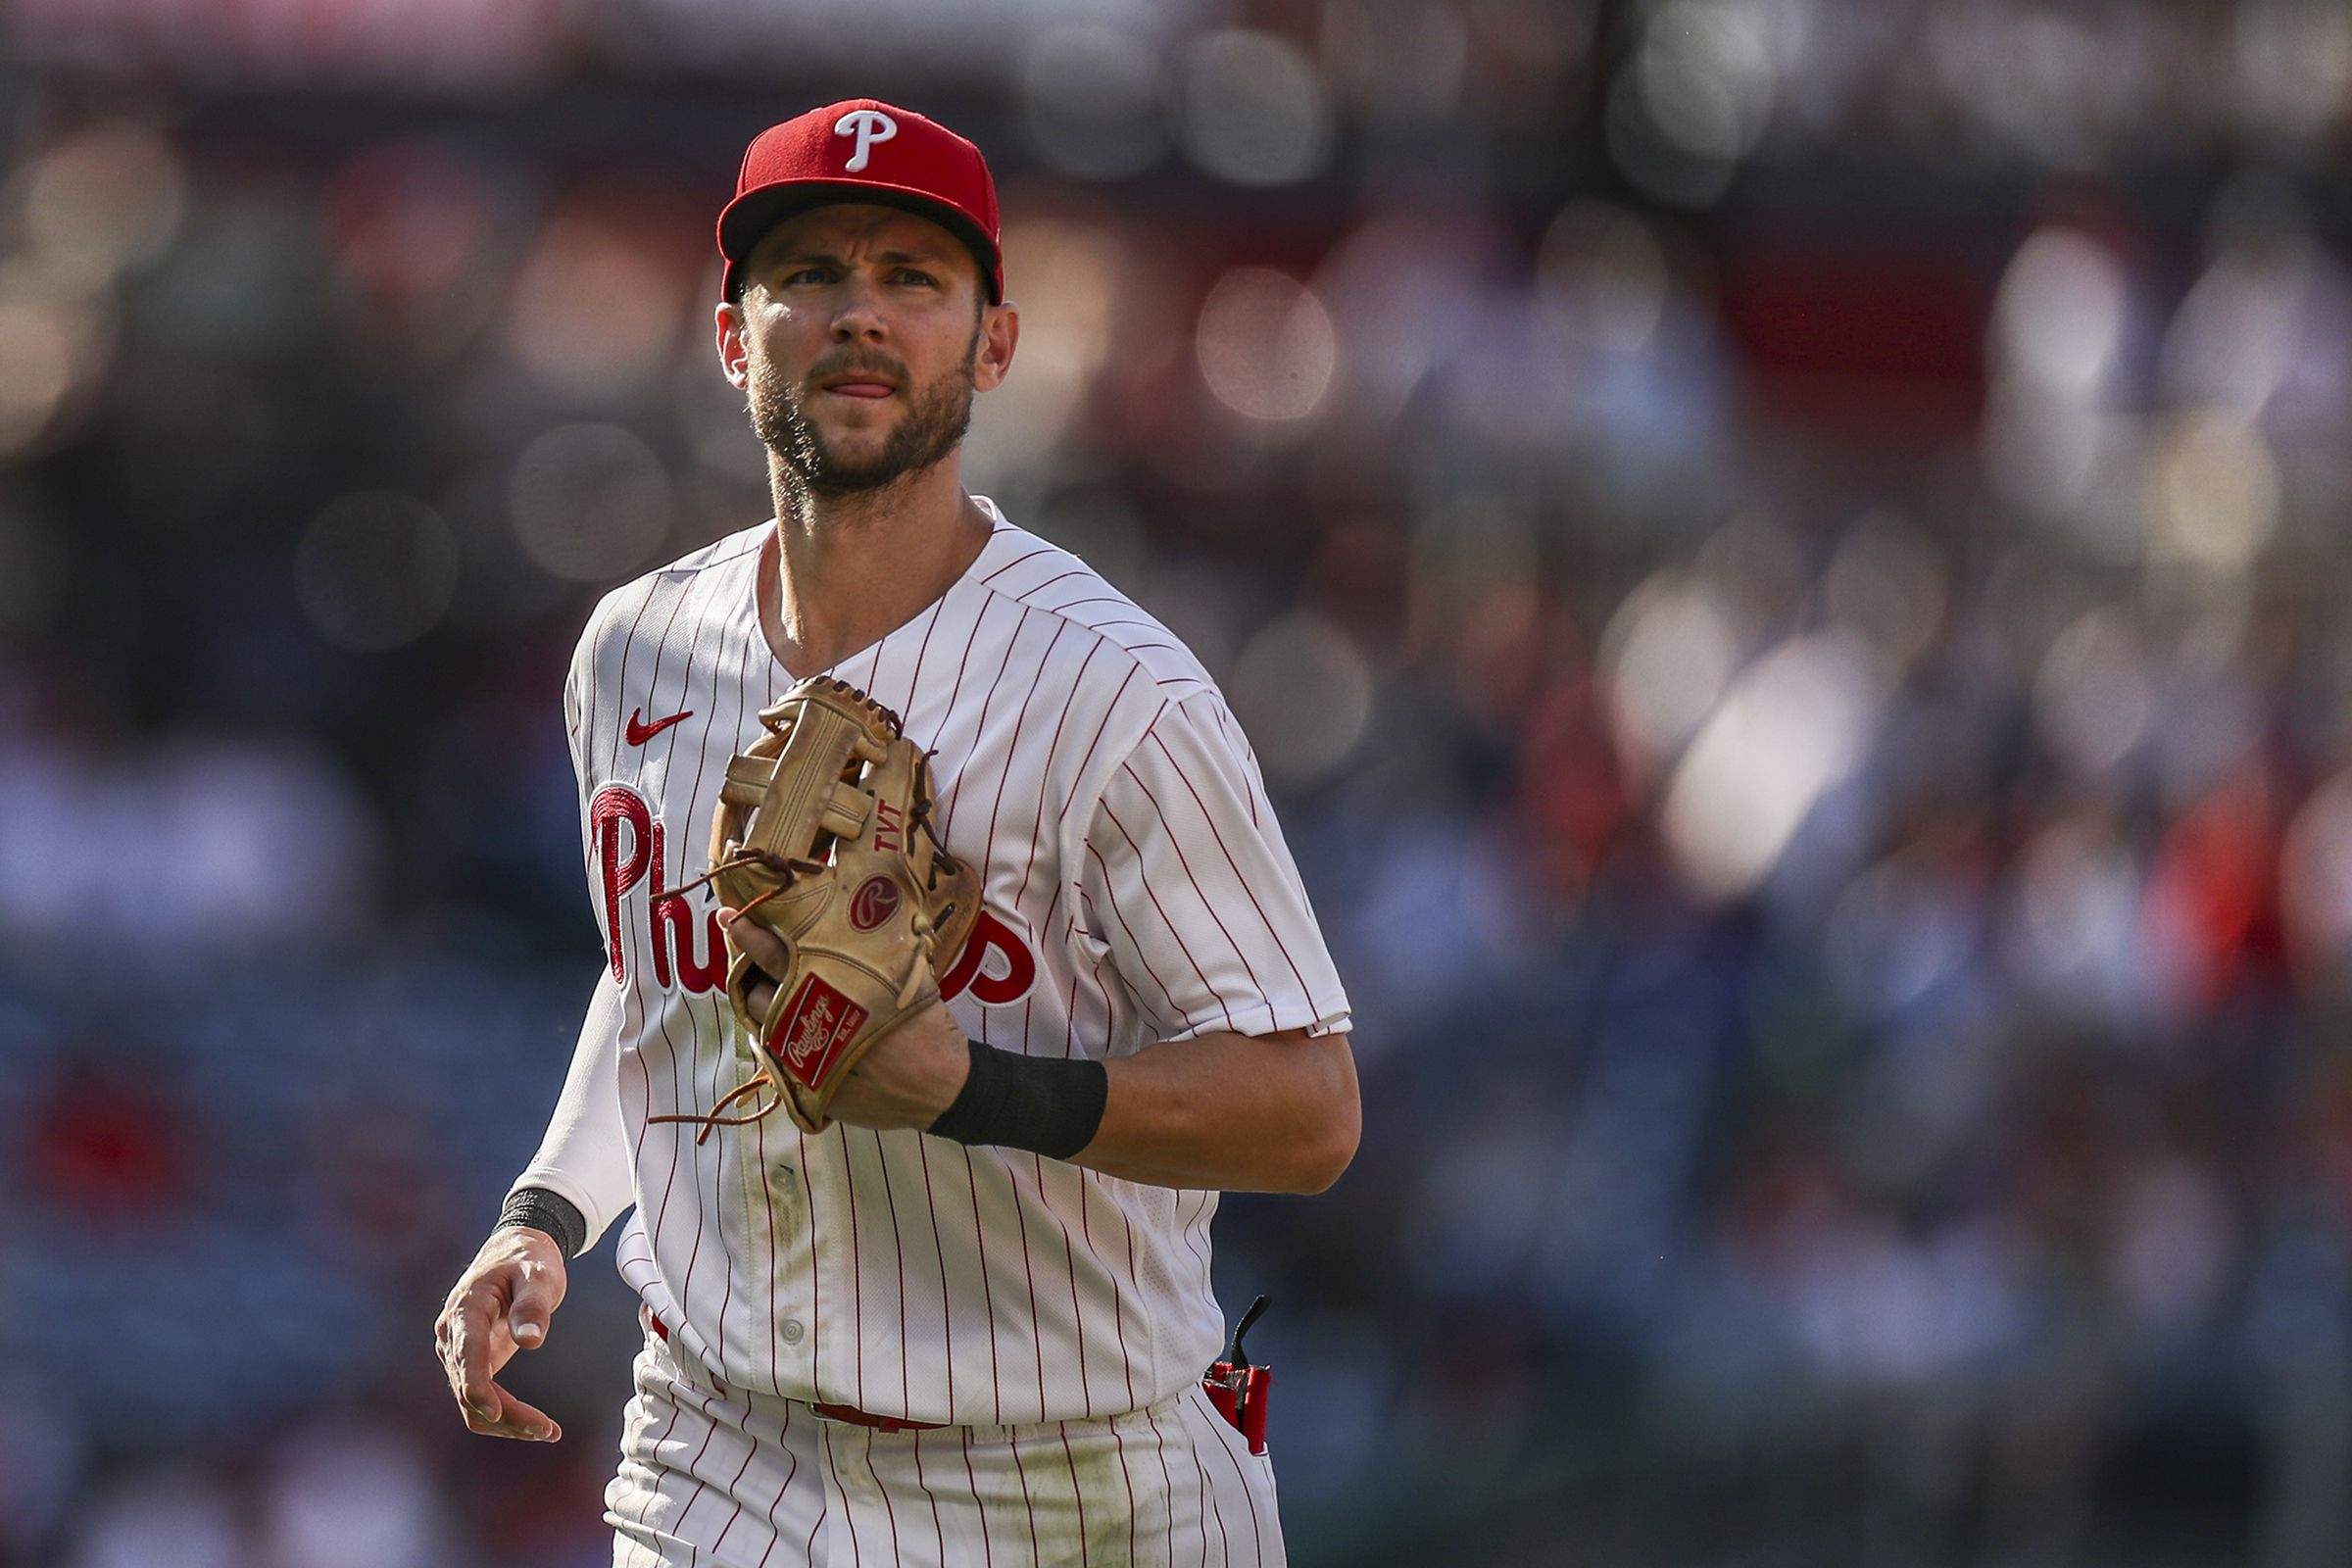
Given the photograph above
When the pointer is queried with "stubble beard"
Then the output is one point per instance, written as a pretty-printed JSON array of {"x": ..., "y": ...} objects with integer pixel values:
[{"x": 937, "y": 416}]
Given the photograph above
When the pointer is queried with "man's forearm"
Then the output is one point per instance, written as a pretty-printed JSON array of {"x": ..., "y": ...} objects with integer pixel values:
[{"x": 1277, "y": 1114}]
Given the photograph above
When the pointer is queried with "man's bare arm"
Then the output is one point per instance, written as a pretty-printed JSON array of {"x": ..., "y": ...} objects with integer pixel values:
[{"x": 1234, "y": 1112}]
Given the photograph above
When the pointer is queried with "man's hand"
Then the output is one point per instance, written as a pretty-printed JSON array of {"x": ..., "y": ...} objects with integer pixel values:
[
  {"x": 905, "y": 1079},
  {"x": 502, "y": 1303}
]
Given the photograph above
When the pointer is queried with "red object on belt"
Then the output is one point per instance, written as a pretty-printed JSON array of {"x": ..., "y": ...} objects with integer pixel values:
[{"x": 830, "y": 1412}]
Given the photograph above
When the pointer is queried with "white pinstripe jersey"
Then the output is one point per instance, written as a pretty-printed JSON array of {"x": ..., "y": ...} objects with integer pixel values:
[{"x": 1137, "y": 890}]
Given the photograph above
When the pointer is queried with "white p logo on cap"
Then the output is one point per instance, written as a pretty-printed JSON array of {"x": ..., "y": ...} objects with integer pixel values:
[{"x": 868, "y": 125}]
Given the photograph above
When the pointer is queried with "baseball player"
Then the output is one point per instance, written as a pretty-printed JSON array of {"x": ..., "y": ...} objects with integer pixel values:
[{"x": 967, "y": 1322}]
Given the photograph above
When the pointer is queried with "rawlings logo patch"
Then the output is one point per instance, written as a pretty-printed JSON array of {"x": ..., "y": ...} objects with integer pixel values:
[
  {"x": 875, "y": 900},
  {"x": 819, "y": 1024}
]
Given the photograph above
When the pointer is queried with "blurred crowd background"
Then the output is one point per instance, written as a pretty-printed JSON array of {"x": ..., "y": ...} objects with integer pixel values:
[{"x": 1785, "y": 560}]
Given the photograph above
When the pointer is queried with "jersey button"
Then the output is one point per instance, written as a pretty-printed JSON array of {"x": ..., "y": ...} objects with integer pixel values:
[
  {"x": 786, "y": 1177},
  {"x": 792, "y": 1331}
]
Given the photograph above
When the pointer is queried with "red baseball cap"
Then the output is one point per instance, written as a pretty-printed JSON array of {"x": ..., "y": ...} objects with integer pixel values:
[{"x": 864, "y": 150}]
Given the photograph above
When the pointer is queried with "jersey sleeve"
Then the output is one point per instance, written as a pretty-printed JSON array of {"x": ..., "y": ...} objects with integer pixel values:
[
  {"x": 584, "y": 1154},
  {"x": 1189, "y": 886}
]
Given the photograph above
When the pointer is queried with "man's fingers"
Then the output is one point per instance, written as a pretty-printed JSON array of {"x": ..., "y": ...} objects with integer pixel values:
[
  {"x": 766, "y": 952},
  {"x": 509, "y": 1417},
  {"x": 502, "y": 1302},
  {"x": 750, "y": 935},
  {"x": 488, "y": 1409}
]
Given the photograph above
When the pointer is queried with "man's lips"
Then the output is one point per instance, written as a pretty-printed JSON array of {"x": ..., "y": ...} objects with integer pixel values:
[{"x": 859, "y": 387}]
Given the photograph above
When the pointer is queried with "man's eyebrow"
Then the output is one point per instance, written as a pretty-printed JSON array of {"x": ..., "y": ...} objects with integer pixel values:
[{"x": 892, "y": 257}]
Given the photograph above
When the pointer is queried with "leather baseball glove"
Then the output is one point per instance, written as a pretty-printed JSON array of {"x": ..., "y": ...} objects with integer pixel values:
[{"x": 823, "y": 835}]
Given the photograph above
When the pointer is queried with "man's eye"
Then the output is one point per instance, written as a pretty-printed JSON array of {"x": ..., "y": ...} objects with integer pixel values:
[
  {"x": 805, "y": 274},
  {"x": 909, "y": 274}
]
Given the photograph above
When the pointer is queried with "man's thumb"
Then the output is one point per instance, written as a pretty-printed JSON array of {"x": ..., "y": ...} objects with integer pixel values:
[{"x": 527, "y": 1318}]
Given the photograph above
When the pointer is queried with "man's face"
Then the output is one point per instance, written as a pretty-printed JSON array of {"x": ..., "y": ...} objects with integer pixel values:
[{"x": 859, "y": 339}]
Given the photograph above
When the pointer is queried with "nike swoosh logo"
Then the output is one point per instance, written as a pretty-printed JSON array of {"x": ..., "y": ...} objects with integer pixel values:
[{"x": 639, "y": 731}]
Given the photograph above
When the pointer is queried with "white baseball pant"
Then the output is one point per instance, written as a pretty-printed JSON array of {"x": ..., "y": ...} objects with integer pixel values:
[{"x": 717, "y": 1476}]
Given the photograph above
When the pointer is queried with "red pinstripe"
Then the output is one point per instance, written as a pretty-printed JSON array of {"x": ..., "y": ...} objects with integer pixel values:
[
  {"x": 720, "y": 1174},
  {"x": 970, "y": 1165},
  {"x": 1208, "y": 1495},
  {"x": 947, "y": 1318},
  {"x": 1219, "y": 1429},
  {"x": 677, "y": 1141},
  {"x": 988, "y": 1553},
  {"x": 1239, "y": 880},
  {"x": 939, "y": 1532},
  {"x": 1184, "y": 862},
  {"x": 1021, "y": 1472},
  {"x": 1177, "y": 1016},
  {"x": 1078, "y": 1491},
  {"x": 1128, "y": 1478},
  {"x": 749, "y": 1448},
  {"x": 897, "y": 1249},
  {"x": 1167, "y": 1482},
  {"x": 1012, "y": 751},
  {"x": 848, "y": 1515},
  {"x": 1046, "y": 771},
  {"x": 995, "y": 1376},
  {"x": 995, "y": 1370},
  {"x": 1174, "y": 930},
  {"x": 848, "y": 1178},
  {"x": 888, "y": 1511},
  {"x": 791, "y": 1468},
  {"x": 1041, "y": 587},
  {"x": 954, "y": 792},
  {"x": 1110, "y": 708},
  {"x": 1252, "y": 794},
  {"x": 915, "y": 681},
  {"x": 857, "y": 1284},
  {"x": 1009, "y": 564}
]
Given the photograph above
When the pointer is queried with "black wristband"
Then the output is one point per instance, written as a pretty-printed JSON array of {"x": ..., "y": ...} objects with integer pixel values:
[
  {"x": 542, "y": 1211},
  {"x": 1050, "y": 1105}
]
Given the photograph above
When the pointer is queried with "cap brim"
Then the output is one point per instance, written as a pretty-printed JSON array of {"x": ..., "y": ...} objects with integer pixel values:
[{"x": 750, "y": 215}]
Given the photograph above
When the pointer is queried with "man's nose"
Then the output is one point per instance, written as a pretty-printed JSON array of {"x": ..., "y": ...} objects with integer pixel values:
[{"x": 857, "y": 315}]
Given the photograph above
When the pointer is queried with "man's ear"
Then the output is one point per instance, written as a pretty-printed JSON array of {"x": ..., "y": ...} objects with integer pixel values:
[
  {"x": 1000, "y": 335},
  {"x": 734, "y": 357}
]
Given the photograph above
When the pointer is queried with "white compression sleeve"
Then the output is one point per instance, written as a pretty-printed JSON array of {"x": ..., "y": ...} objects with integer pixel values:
[{"x": 585, "y": 1155}]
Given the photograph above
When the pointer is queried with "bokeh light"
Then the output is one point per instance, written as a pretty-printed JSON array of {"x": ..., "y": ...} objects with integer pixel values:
[
  {"x": 1265, "y": 346},
  {"x": 1790, "y": 727},
  {"x": 1091, "y": 102},
  {"x": 1252, "y": 109},
  {"x": 1305, "y": 691},
  {"x": 589, "y": 502},
  {"x": 375, "y": 571},
  {"x": 104, "y": 200}
]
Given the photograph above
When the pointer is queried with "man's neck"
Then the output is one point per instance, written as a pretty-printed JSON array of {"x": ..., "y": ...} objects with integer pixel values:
[{"x": 846, "y": 571}]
